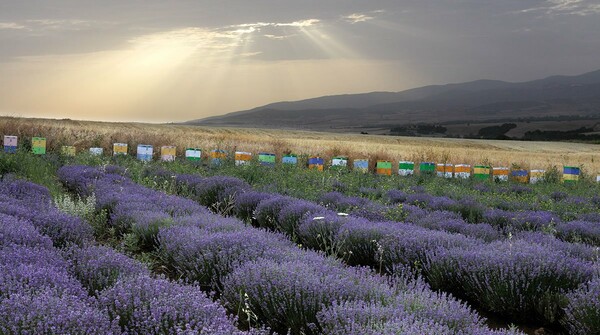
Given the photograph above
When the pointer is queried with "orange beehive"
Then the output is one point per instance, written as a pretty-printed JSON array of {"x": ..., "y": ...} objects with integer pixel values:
[
  {"x": 384, "y": 168},
  {"x": 444, "y": 170},
  {"x": 500, "y": 173},
  {"x": 462, "y": 171},
  {"x": 242, "y": 157}
]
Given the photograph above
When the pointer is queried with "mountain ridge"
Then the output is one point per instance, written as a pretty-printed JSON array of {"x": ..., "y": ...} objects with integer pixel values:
[{"x": 478, "y": 100}]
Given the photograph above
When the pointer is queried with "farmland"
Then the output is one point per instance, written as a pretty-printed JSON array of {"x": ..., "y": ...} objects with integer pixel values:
[
  {"x": 86, "y": 134},
  {"x": 188, "y": 246}
]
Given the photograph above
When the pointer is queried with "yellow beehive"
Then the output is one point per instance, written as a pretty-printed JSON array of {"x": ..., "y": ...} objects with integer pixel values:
[
  {"x": 119, "y": 149},
  {"x": 168, "y": 153},
  {"x": 535, "y": 176}
]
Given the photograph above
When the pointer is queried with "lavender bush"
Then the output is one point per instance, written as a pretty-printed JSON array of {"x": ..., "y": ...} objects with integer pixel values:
[
  {"x": 514, "y": 278},
  {"x": 47, "y": 313},
  {"x": 99, "y": 267},
  {"x": 144, "y": 305},
  {"x": 287, "y": 296},
  {"x": 206, "y": 258},
  {"x": 580, "y": 231},
  {"x": 582, "y": 314}
]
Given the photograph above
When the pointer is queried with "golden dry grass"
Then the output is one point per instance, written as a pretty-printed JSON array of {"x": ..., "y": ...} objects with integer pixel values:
[{"x": 85, "y": 134}]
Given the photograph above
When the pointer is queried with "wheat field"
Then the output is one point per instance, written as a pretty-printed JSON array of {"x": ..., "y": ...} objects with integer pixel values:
[{"x": 86, "y": 134}]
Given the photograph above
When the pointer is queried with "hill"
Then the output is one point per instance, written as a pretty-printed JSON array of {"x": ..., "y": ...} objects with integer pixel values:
[{"x": 482, "y": 101}]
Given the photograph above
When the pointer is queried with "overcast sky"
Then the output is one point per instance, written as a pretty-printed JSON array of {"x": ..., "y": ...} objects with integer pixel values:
[{"x": 162, "y": 61}]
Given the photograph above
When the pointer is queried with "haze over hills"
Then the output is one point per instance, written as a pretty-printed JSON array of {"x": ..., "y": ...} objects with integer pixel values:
[{"x": 556, "y": 97}]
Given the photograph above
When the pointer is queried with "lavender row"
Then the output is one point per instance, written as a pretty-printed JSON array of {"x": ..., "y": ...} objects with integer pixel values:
[
  {"x": 37, "y": 293},
  {"x": 85, "y": 288},
  {"x": 263, "y": 277},
  {"x": 523, "y": 278}
]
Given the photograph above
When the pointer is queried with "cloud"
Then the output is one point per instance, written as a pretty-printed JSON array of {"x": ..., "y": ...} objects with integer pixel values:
[
  {"x": 298, "y": 24},
  {"x": 278, "y": 37},
  {"x": 566, "y": 7},
  {"x": 11, "y": 25},
  {"x": 356, "y": 18}
]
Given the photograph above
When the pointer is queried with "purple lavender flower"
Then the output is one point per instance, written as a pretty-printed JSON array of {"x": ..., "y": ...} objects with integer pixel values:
[
  {"x": 47, "y": 313},
  {"x": 28, "y": 270},
  {"x": 207, "y": 193},
  {"x": 580, "y": 231},
  {"x": 267, "y": 211},
  {"x": 246, "y": 202},
  {"x": 396, "y": 196},
  {"x": 16, "y": 231},
  {"x": 206, "y": 257},
  {"x": 288, "y": 295},
  {"x": 411, "y": 245},
  {"x": 576, "y": 250},
  {"x": 210, "y": 222},
  {"x": 453, "y": 223},
  {"x": 509, "y": 277},
  {"x": 319, "y": 231},
  {"x": 292, "y": 213},
  {"x": 99, "y": 267},
  {"x": 144, "y": 305},
  {"x": 582, "y": 314}
]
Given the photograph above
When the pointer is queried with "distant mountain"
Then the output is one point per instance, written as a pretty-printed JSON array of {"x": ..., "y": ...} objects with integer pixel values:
[{"x": 475, "y": 101}]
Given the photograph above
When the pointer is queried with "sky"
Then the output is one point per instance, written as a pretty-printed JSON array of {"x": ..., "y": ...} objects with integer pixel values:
[{"x": 171, "y": 61}]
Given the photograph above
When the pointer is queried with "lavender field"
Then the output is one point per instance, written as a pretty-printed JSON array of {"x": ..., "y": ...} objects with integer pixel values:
[{"x": 119, "y": 246}]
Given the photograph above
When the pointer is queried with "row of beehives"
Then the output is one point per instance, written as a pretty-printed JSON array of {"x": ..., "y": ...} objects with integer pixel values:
[{"x": 405, "y": 168}]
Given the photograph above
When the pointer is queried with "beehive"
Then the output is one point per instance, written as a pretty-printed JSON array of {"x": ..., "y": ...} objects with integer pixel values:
[
  {"x": 168, "y": 153},
  {"x": 119, "y": 149},
  {"x": 444, "y": 170},
  {"x": 520, "y": 175},
  {"x": 217, "y": 156},
  {"x": 266, "y": 158},
  {"x": 361, "y": 165},
  {"x": 144, "y": 152},
  {"x": 500, "y": 173},
  {"x": 289, "y": 159},
  {"x": 38, "y": 145},
  {"x": 339, "y": 162},
  {"x": 427, "y": 168},
  {"x": 315, "y": 163},
  {"x": 406, "y": 168},
  {"x": 96, "y": 151},
  {"x": 536, "y": 176},
  {"x": 481, "y": 172},
  {"x": 68, "y": 150},
  {"x": 571, "y": 174},
  {"x": 384, "y": 168},
  {"x": 242, "y": 158},
  {"x": 193, "y": 154},
  {"x": 10, "y": 144},
  {"x": 462, "y": 171}
]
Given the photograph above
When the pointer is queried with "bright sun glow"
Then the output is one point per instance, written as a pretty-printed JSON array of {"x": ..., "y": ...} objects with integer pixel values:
[{"x": 185, "y": 73}]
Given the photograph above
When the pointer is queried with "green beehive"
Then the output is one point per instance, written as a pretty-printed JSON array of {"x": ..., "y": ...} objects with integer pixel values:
[
  {"x": 481, "y": 172},
  {"x": 266, "y": 158},
  {"x": 384, "y": 168},
  {"x": 38, "y": 145},
  {"x": 406, "y": 168},
  {"x": 427, "y": 168},
  {"x": 193, "y": 154}
]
